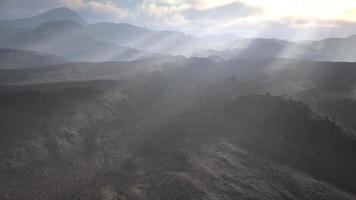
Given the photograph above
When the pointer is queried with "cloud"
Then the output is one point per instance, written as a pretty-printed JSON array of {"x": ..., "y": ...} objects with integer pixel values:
[
  {"x": 161, "y": 7},
  {"x": 107, "y": 8},
  {"x": 292, "y": 29},
  {"x": 102, "y": 11},
  {"x": 247, "y": 18},
  {"x": 228, "y": 11}
]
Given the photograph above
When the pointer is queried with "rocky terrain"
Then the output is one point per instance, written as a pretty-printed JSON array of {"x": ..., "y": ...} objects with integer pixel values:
[
  {"x": 117, "y": 112},
  {"x": 150, "y": 136}
]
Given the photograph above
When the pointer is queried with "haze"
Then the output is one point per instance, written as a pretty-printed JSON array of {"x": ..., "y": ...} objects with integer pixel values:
[
  {"x": 288, "y": 19},
  {"x": 177, "y": 100}
]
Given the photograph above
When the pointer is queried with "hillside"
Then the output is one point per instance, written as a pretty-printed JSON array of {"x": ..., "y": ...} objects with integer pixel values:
[
  {"x": 316, "y": 83},
  {"x": 263, "y": 48},
  {"x": 66, "y": 151},
  {"x": 115, "y": 111},
  {"x": 20, "y": 59},
  {"x": 171, "y": 42},
  {"x": 13, "y": 27},
  {"x": 66, "y": 39},
  {"x": 83, "y": 71},
  {"x": 337, "y": 49},
  {"x": 58, "y": 14}
]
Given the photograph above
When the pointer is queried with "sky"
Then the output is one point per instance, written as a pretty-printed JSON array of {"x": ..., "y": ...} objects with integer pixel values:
[{"x": 289, "y": 19}]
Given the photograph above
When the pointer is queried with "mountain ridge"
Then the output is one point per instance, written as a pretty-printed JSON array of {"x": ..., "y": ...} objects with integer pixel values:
[
  {"x": 66, "y": 39},
  {"x": 57, "y": 14}
]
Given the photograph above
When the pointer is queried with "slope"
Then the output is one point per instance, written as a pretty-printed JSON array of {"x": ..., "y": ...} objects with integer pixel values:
[
  {"x": 20, "y": 59},
  {"x": 66, "y": 39}
]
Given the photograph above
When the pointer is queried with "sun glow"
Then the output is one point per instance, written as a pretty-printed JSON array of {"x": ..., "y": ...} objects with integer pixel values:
[{"x": 307, "y": 9}]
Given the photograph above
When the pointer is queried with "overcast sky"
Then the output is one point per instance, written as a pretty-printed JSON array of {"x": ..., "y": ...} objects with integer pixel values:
[{"x": 296, "y": 19}]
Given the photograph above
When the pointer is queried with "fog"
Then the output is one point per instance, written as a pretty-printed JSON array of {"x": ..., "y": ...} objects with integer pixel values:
[{"x": 120, "y": 111}]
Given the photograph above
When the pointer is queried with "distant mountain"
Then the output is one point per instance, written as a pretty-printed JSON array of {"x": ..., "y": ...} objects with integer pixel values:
[
  {"x": 58, "y": 14},
  {"x": 331, "y": 49},
  {"x": 122, "y": 34},
  {"x": 337, "y": 49},
  {"x": 218, "y": 41},
  {"x": 67, "y": 39},
  {"x": 13, "y": 27},
  {"x": 21, "y": 59},
  {"x": 124, "y": 41},
  {"x": 142, "y": 38},
  {"x": 172, "y": 42},
  {"x": 263, "y": 48}
]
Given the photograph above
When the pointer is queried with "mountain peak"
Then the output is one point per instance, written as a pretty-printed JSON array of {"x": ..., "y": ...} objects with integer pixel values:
[
  {"x": 61, "y": 13},
  {"x": 60, "y": 10},
  {"x": 57, "y": 14}
]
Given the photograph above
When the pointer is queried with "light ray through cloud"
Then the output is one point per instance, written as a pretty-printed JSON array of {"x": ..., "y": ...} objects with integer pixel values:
[{"x": 203, "y": 17}]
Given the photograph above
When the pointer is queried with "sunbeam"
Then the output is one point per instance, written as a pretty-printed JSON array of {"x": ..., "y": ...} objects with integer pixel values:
[{"x": 177, "y": 100}]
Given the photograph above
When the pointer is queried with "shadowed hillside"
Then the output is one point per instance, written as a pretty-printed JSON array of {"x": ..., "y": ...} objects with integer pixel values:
[
  {"x": 99, "y": 140},
  {"x": 19, "y": 59},
  {"x": 66, "y": 39},
  {"x": 14, "y": 27}
]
